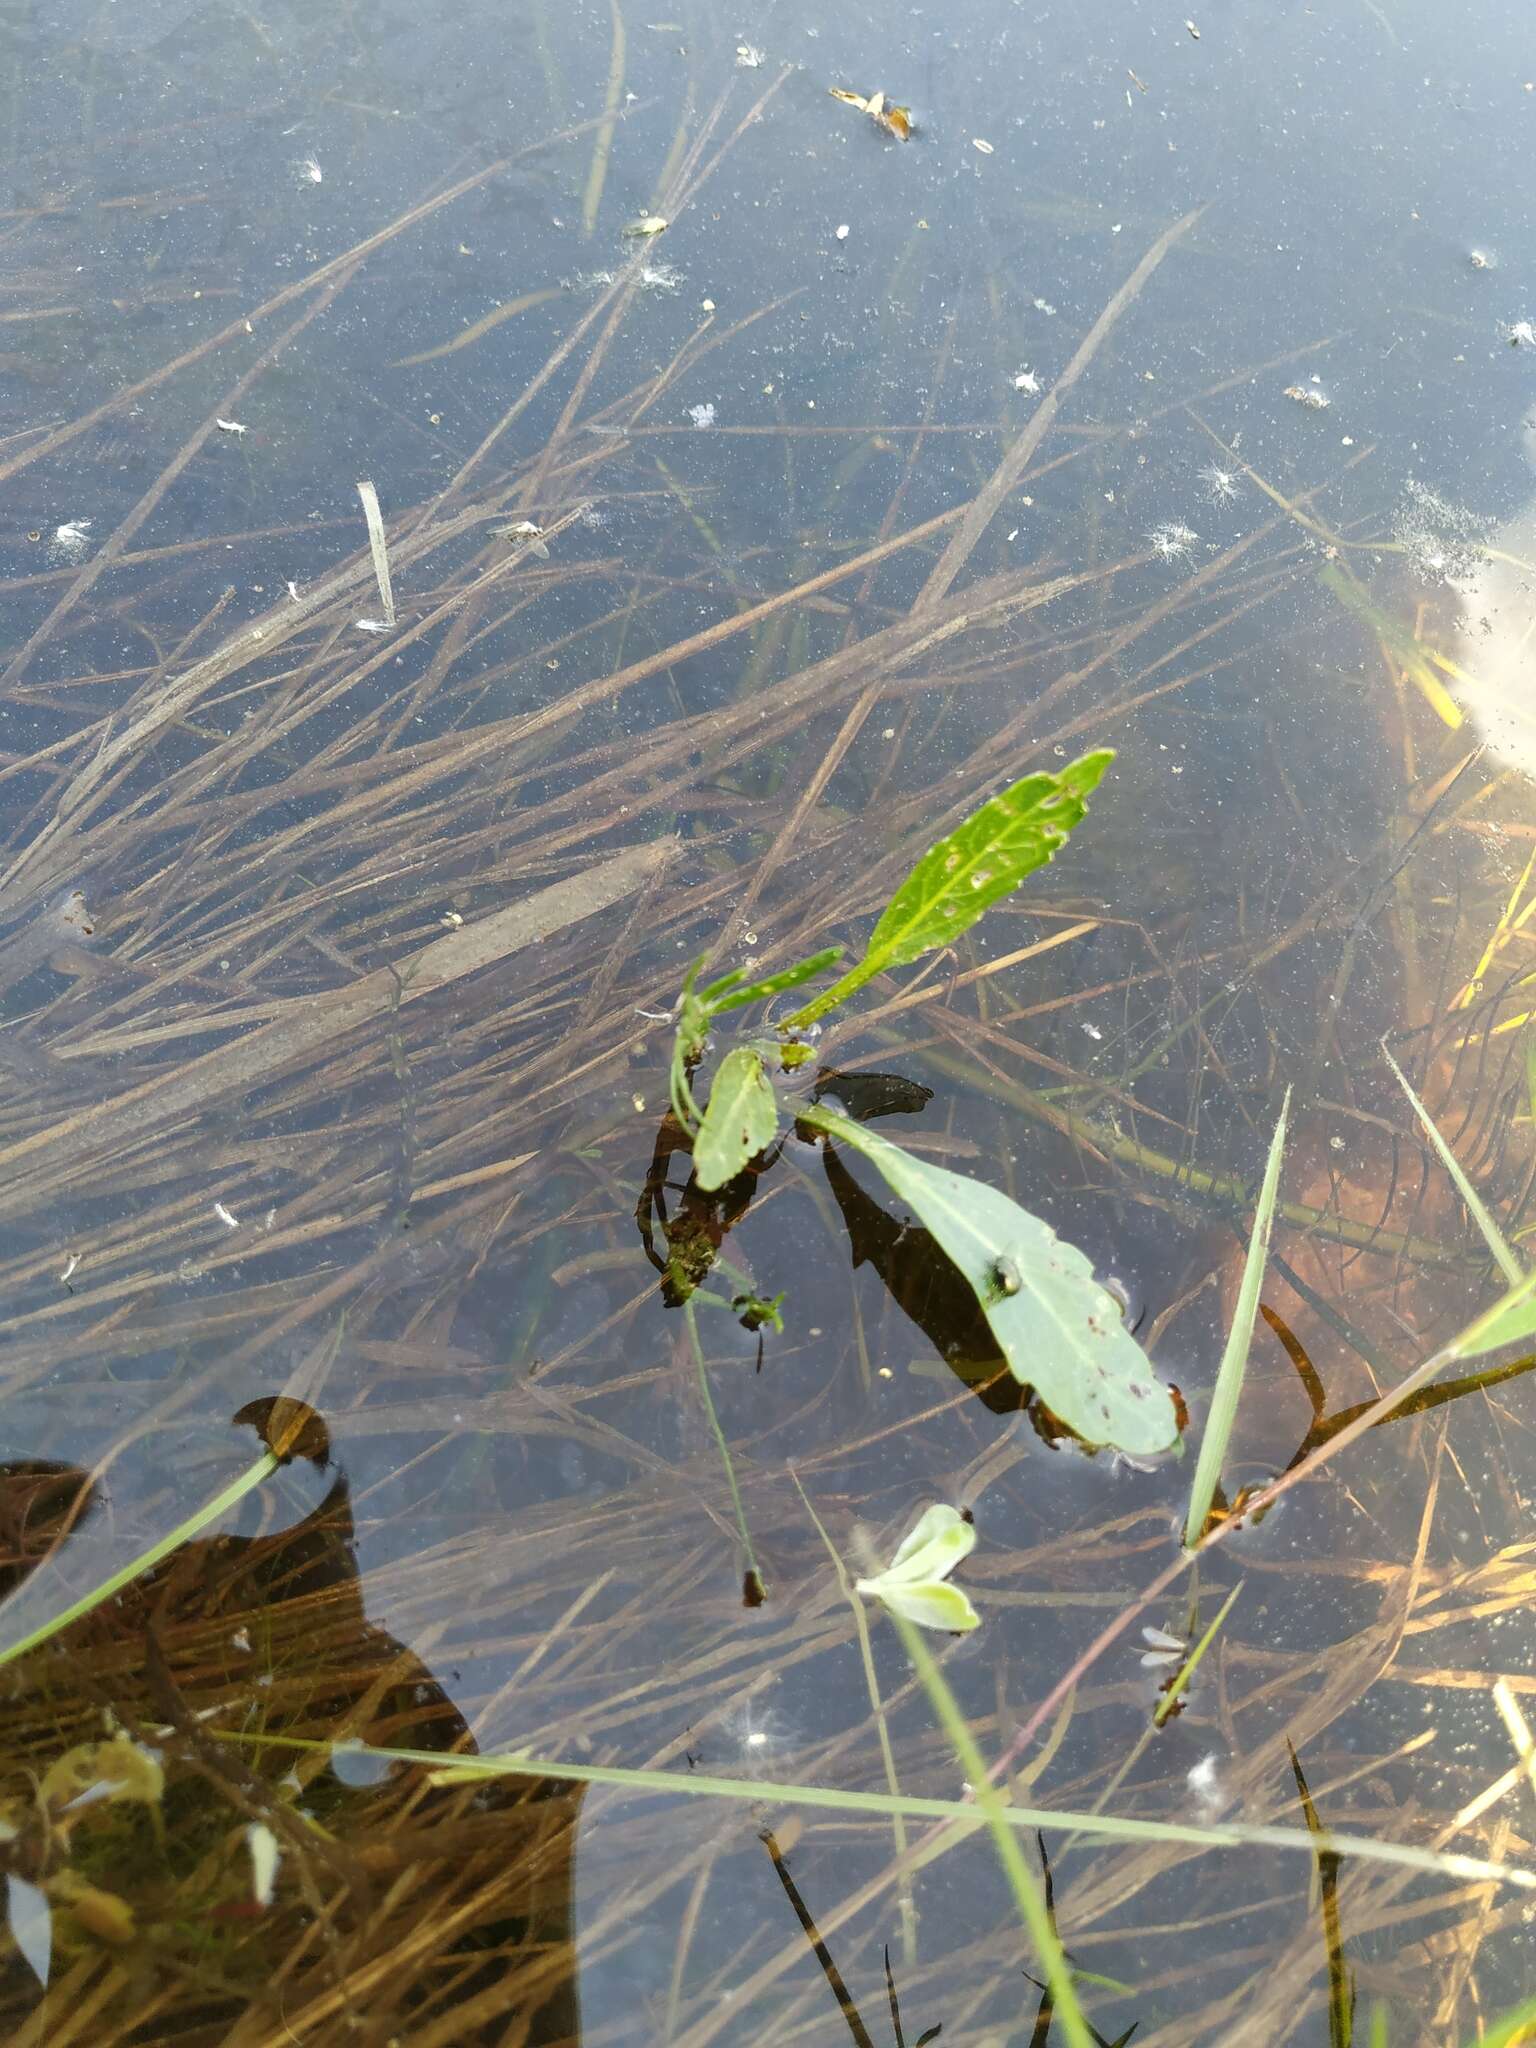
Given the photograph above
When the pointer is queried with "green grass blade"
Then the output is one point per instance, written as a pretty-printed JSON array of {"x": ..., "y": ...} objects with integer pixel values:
[
  {"x": 1510, "y": 2030},
  {"x": 1510, "y": 1320},
  {"x": 1191, "y": 1664},
  {"x": 739, "y": 1122},
  {"x": 210, "y": 1512},
  {"x": 1234, "y": 1357},
  {"x": 1493, "y": 1237},
  {"x": 1027, "y": 1894},
  {"x": 1014, "y": 833},
  {"x": 954, "y": 1812}
]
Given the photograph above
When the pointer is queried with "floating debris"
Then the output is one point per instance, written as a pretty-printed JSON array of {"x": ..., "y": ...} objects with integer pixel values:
[
  {"x": 1218, "y": 484},
  {"x": 748, "y": 56},
  {"x": 1442, "y": 541},
  {"x": 308, "y": 171},
  {"x": 265, "y": 1855},
  {"x": 1491, "y": 676},
  {"x": 1044, "y": 306},
  {"x": 1194, "y": 32},
  {"x": 1172, "y": 541},
  {"x": 702, "y": 415},
  {"x": 70, "y": 541},
  {"x": 1519, "y": 334},
  {"x": 1482, "y": 259},
  {"x": 985, "y": 147},
  {"x": 523, "y": 529},
  {"x": 1309, "y": 396},
  {"x": 841, "y": 231},
  {"x": 884, "y": 113},
  {"x": 1163, "y": 1648},
  {"x": 1027, "y": 381},
  {"x": 647, "y": 224},
  {"x": 231, "y": 427}
]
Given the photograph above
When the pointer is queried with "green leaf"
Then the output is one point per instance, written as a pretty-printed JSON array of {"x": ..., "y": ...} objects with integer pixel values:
[
  {"x": 983, "y": 859},
  {"x": 1060, "y": 1331},
  {"x": 716, "y": 999},
  {"x": 1234, "y": 1357},
  {"x": 1493, "y": 1237},
  {"x": 740, "y": 1121},
  {"x": 1510, "y": 1321}
]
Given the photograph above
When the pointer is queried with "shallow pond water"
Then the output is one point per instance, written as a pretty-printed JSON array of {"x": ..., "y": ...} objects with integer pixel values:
[{"x": 1168, "y": 390}]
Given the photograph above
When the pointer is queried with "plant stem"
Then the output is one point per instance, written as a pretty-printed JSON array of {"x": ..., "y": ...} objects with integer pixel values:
[
  {"x": 898, "y": 1824},
  {"x": 725, "y": 1450},
  {"x": 1028, "y": 1896}
]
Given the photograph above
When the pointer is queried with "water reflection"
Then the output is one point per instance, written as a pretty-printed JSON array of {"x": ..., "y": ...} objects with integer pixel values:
[{"x": 233, "y": 1669}]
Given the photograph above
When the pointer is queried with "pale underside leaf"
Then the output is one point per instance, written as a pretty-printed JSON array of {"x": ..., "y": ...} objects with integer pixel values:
[
  {"x": 933, "y": 1546},
  {"x": 931, "y": 1604},
  {"x": 1060, "y": 1331}
]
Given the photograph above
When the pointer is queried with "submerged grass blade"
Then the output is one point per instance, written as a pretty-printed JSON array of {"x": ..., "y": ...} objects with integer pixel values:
[
  {"x": 378, "y": 548},
  {"x": 602, "y": 146},
  {"x": 210, "y": 1512},
  {"x": 1493, "y": 1237},
  {"x": 477, "y": 329},
  {"x": 1234, "y": 1357},
  {"x": 1341, "y": 1996},
  {"x": 819, "y": 1949}
]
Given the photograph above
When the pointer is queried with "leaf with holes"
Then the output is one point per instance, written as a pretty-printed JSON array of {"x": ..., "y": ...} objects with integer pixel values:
[
  {"x": 985, "y": 858},
  {"x": 740, "y": 1121},
  {"x": 1060, "y": 1331}
]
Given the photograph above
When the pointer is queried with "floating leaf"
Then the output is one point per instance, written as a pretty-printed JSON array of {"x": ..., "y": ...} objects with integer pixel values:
[
  {"x": 912, "y": 1584},
  {"x": 740, "y": 1121},
  {"x": 1060, "y": 1331},
  {"x": 982, "y": 860},
  {"x": 30, "y": 1918}
]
